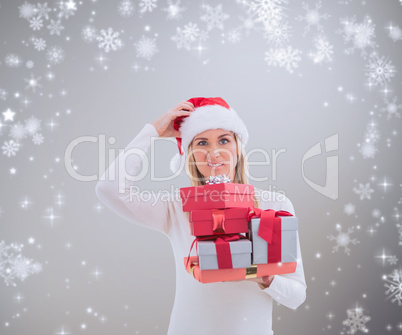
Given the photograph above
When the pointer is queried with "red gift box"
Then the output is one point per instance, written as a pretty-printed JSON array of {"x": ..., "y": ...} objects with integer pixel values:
[
  {"x": 219, "y": 221},
  {"x": 212, "y": 196}
]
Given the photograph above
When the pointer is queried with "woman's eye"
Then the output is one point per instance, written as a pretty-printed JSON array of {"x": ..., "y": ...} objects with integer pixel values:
[
  {"x": 199, "y": 143},
  {"x": 224, "y": 139}
]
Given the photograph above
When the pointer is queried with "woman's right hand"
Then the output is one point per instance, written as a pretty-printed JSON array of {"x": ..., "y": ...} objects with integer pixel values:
[{"x": 164, "y": 125}]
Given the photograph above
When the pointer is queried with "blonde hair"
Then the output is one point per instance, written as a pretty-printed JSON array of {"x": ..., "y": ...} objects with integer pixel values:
[{"x": 197, "y": 179}]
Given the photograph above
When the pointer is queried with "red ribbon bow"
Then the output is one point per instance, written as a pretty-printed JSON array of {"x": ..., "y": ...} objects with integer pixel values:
[
  {"x": 222, "y": 248},
  {"x": 269, "y": 231}
]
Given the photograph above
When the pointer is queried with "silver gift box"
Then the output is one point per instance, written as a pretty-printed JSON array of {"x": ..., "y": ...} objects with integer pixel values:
[
  {"x": 288, "y": 242},
  {"x": 239, "y": 249}
]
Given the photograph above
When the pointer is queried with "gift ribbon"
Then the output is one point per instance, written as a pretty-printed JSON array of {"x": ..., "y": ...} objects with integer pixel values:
[
  {"x": 222, "y": 248},
  {"x": 269, "y": 231},
  {"x": 218, "y": 220}
]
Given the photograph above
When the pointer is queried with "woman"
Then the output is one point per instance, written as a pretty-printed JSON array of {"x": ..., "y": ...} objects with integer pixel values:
[{"x": 213, "y": 138}]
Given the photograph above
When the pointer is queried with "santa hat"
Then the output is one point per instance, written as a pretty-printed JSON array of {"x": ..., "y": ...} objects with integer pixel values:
[{"x": 208, "y": 113}]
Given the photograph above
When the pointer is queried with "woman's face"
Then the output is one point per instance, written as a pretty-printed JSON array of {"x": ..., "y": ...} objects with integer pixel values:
[{"x": 215, "y": 146}]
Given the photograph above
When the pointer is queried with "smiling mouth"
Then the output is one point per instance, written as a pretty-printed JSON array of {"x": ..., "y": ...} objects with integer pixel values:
[{"x": 215, "y": 165}]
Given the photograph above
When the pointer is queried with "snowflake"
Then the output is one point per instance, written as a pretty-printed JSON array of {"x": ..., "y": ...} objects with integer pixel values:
[
  {"x": 287, "y": 58},
  {"x": 395, "y": 33},
  {"x": 380, "y": 70},
  {"x": 37, "y": 138},
  {"x": 376, "y": 213},
  {"x": 269, "y": 12},
  {"x": 146, "y": 48},
  {"x": 18, "y": 131},
  {"x": 312, "y": 17},
  {"x": 55, "y": 27},
  {"x": 10, "y": 148},
  {"x": 89, "y": 34},
  {"x": 394, "y": 286},
  {"x": 214, "y": 17},
  {"x": 32, "y": 125},
  {"x": 36, "y": 23},
  {"x": 356, "y": 320},
  {"x": 33, "y": 83},
  {"x": 191, "y": 31},
  {"x": 361, "y": 35},
  {"x": 174, "y": 10},
  {"x": 109, "y": 40},
  {"x": 12, "y": 60},
  {"x": 277, "y": 34},
  {"x": 125, "y": 8},
  {"x": 342, "y": 239},
  {"x": 147, "y": 5},
  {"x": 181, "y": 39},
  {"x": 392, "y": 260},
  {"x": 323, "y": 50},
  {"x": 364, "y": 191},
  {"x": 13, "y": 266},
  {"x": 392, "y": 108},
  {"x": 234, "y": 35},
  {"x": 368, "y": 150},
  {"x": 39, "y": 43},
  {"x": 3, "y": 94},
  {"x": 27, "y": 10},
  {"x": 66, "y": 9},
  {"x": 55, "y": 55},
  {"x": 43, "y": 10},
  {"x": 349, "y": 209}
]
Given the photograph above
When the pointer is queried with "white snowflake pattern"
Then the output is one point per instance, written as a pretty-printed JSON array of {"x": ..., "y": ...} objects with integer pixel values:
[
  {"x": 379, "y": 70},
  {"x": 392, "y": 259},
  {"x": 361, "y": 35},
  {"x": 181, "y": 39},
  {"x": 278, "y": 34},
  {"x": 146, "y": 47},
  {"x": 66, "y": 9},
  {"x": 36, "y": 23},
  {"x": 33, "y": 83},
  {"x": 356, "y": 320},
  {"x": 268, "y": 12},
  {"x": 32, "y": 125},
  {"x": 394, "y": 286},
  {"x": 191, "y": 31},
  {"x": 39, "y": 44},
  {"x": 342, "y": 239},
  {"x": 174, "y": 10},
  {"x": 324, "y": 50},
  {"x": 349, "y": 208},
  {"x": 43, "y": 10},
  {"x": 18, "y": 131},
  {"x": 147, "y": 5},
  {"x": 214, "y": 17},
  {"x": 394, "y": 33},
  {"x": 125, "y": 8},
  {"x": 15, "y": 266},
  {"x": 89, "y": 34},
  {"x": 27, "y": 10},
  {"x": 312, "y": 17},
  {"x": 364, "y": 191},
  {"x": 392, "y": 108},
  {"x": 13, "y": 60},
  {"x": 37, "y": 138},
  {"x": 10, "y": 148},
  {"x": 287, "y": 58},
  {"x": 55, "y": 55},
  {"x": 55, "y": 27},
  {"x": 109, "y": 40}
]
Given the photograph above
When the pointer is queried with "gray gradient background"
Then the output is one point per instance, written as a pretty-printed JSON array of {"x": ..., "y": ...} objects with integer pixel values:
[{"x": 135, "y": 291}]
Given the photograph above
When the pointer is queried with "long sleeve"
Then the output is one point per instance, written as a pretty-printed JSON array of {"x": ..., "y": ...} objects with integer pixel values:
[
  {"x": 289, "y": 289},
  {"x": 122, "y": 195}
]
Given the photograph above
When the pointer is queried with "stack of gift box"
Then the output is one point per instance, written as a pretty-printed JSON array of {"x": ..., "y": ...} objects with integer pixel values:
[{"x": 234, "y": 240}]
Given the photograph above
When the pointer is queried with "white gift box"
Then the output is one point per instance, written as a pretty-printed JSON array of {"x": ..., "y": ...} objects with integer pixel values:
[
  {"x": 240, "y": 251},
  {"x": 289, "y": 226}
]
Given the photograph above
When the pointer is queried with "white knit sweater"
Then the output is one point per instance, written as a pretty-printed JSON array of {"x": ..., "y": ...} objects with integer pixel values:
[{"x": 242, "y": 307}]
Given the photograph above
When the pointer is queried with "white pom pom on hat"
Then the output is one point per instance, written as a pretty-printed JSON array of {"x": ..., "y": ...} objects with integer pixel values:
[{"x": 208, "y": 113}]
